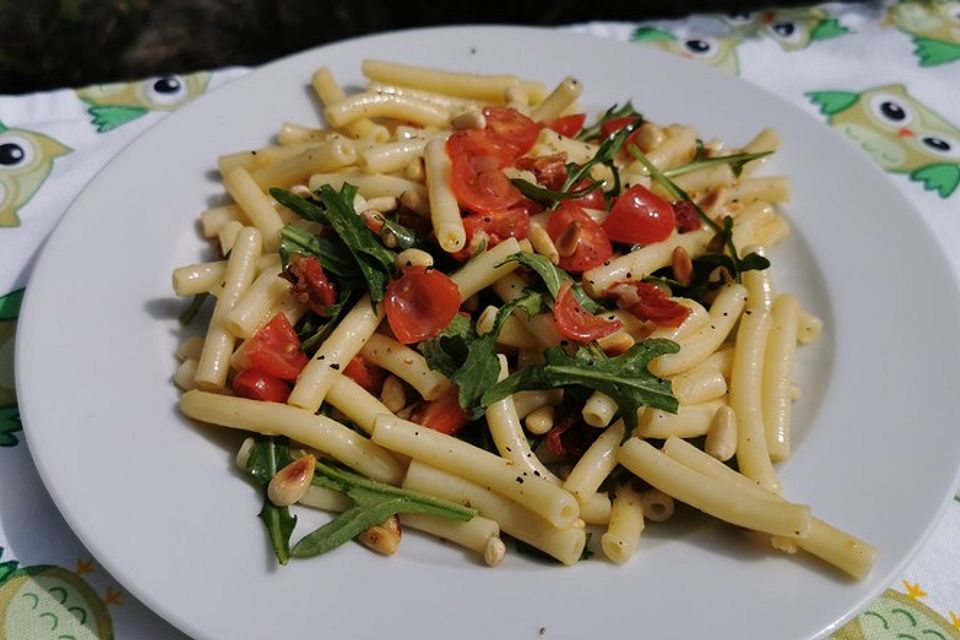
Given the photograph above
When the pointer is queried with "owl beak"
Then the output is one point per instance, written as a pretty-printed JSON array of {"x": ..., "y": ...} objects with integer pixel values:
[
  {"x": 766, "y": 17},
  {"x": 904, "y": 132}
]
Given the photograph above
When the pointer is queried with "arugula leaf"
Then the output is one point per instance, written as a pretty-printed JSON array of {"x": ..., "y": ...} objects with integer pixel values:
[
  {"x": 312, "y": 335},
  {"x": 554, "y": 277},
  {"x": 334, "y": 255},
  {"x": 606, "y": 155},
  {"x": 188, "y": 314},
  {"x": 448, "y": 350},
  {"x": 266, "y": 458},
  {"x": 405, "y": 237},
  {"x": 481, "y": 368},
  {"x": 612, "y": 113},
  {"x": 374, "y": 260},
  {"x": 625, "y": 378},
  {"x": 736, "y": 162},
  {"x": 549, "y": 196},
  {"x": 374, "y": 502}
]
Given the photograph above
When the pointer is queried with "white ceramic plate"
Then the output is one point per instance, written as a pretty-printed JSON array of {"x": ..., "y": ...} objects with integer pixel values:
[{"x": 155, "y": 497}]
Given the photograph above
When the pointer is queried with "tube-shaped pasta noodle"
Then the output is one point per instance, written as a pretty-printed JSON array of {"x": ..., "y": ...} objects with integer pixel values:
[
  {"x": 619, "y": 542},
  {"x": 690, "y": 421},
  {"x": 725, "y": 501},
  {"x": 599, "y": 410},
  {"x": 746, "y": 391},
  {"x": 335, "y": 353},
  {"x": 405, "y": 363},
  {"x": 766, "y": 189},
  {"x": 256, "y": 205},
  {"x": 291, "y": 133},
  {"x": 778, "y": 375},
  {"x": 486, "y": 268},
  {"x": 828, "y": 543},
  {"x": 253, "y": 306},
  {"x": 597, "y": 462},
  {"x": 214, "y": 361},
  {"x": 474, "y": 534},
  {"x": 724, "y": 312},
  {"x": 213, "y": 219},
  {"x": 369, "y": 186},
  {"x": 563, "y": 97},
  {"x": 565, "y": 544},
  {"x": 317, "y": 431},
  {"x": 766, "y": 140},
  {"x": 698, "y": 385},
  {"x": 450, "y": 103},
  {"x": 508, "y": 436},
  {"x": 485, "y": 87},
  {"x": 529, "y": 401},
  {"x": 477, "y": 465},
  {"x": 330, "y": 92},
  {"x": 679, "y": 147},
  {"x": 328, "y": 156},
  {"x": 392, "y": 156},
  {"x": 697, "y": 318},
  {"x": 703, "y": 180},
  {"x": 378, "y": 105},
  {"x": 444, "y": 210},
  {"x": 355, "y": 402},
  {"x": 637, "y": 265}
]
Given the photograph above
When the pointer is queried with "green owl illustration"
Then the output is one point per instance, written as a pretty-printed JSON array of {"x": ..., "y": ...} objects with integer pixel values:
[
  {"x": 792, "y": 29},
  {"x": 9, "y": 415},
  {"x": 720, "y": 52},
  {"x": 895, "y": 616},
  {"x": 898, "y": 132},
  {"x": 26, "y": 159},
  {"x": 47, "y": 602},
  {"x": 112, "y": 105},
  {"x": 935, "y": 27}
]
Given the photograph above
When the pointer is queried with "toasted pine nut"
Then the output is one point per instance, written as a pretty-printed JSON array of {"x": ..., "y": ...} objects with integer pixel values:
[
  {"x": 383, "y": 538},
  {"x": 486, "y": 319},
  {"x": 292, "y": 481},
  {"x": 543, "y": 243},
  {"x": 301, "y": 190},
  {"x": 393, "y": 395},
  {"x": 541, "y": 420},
  {"x": 713, "y": 200},
  {"x": 569, "y": 240},
  {"x": 649, "y": 137},
  {"x": 657, "y": 506},
  {"x": 721, "y": 442},
  {"x": 682, "y": 265},
  {"x": 494, "y": 552},
  {"x": 470, "y": 118},
  {"x": 413, "y": 258}
]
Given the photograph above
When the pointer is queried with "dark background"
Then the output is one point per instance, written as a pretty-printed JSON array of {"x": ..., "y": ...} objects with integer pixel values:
[{"x": 48, "y": 44}]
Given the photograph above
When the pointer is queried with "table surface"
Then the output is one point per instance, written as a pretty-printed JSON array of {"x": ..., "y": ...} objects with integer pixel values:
[{"x": 820, "y": 57}]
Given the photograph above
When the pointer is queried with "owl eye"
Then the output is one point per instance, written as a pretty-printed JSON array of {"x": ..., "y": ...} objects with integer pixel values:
[
  {"x": 165, "y": 91},
  {"x": 951, "y": 10},
  {"x": 788, "y": 31},
  {"x": 940, "y": 144},
  {"x": 700, "y": 47},
  {"x": 16, "y": 152},
  {"x": 891, "y": 110}
]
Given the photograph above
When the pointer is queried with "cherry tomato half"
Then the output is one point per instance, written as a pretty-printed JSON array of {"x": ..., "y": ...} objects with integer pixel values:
[
  {"x": 420, "y": 303},
  {"x": 369, "y": 376},
  {"x": 568, "y": 126},
  {"x": 443, "y": 414},
  {"x": 498, "y": 226},
  {"x": 593, "y": 246},
  {"x": 257, "y": 385},
  {"x": 476, "y": 178},
  {"x": 513, "y": 130},
  {"x": 640, "y": 217},
  {"x": 575, "y": 323},
  {"x": 274, "y": 350}
]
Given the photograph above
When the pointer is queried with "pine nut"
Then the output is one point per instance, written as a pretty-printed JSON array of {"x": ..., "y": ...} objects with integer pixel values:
[
  {"x": 292, "y": 481},
  {"x": 393, "y": 395},
  {"x": 682, "y": 265},
  {"x": 470, "y": 118},
  {"x": 721, "y": 442},
  {"x": 415, "y": 171},
  {"x": 494, "y": 552},
  {"x": 413, "y": 258},
  {"x": 569, "y": 240},
  {"x": 616, "y": 343},
  {"x": 649, "y": 137},
  {"x": 383, "y": 538}
]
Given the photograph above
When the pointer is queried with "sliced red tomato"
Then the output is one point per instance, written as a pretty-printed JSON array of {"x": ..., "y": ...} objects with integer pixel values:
[
  {"x": 568, "y": 126},
  {"x": 686, "y": 215},
  {"x": 420, "y": 303},
  {"x": 652, "y": 303},
  {"x": 575, "y": 323},
  {"x": 640, "y": 217},
  {"x": 443, "y": 414},
  {"x": 570, "y": 437},
  {"x": 513, "y": 129},
  {"x": 274, "y": 350},
  {"x": 310, "y": 284},
  {"x": 259, "y": 385},
  {"x": 498, "y": 226},
  {"x": 369, "y": 376},
  {"x": 593, "y": 200},
  {"x": 550, "y": 171},
  {"x": 593, "y": 247},
  {"x": 476, "y": 176},
  {"x": 615, "y": 124}
]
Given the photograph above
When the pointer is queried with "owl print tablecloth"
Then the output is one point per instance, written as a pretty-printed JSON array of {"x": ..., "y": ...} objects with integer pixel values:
[{"x": 885, "y": 76}]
